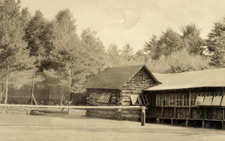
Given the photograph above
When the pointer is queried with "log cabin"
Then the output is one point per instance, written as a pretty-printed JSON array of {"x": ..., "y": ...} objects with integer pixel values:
[
  {"x": 119, "y": 86},
  {"x": 189, "y": 98}
]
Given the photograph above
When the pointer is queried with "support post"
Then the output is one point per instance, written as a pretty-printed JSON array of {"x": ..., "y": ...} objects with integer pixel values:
[
  {"x": 161, "y": 112},
  {"x": 222, "y": 125},
  {"x": 157, "y": 120},
  {"x": 205, "y": 113},
  {"x": 223, "y": 119},
  {"x": 174, "y": 113},
  {"x": 186, "y": 123},
  {"x": 203, "y": 123},
  {"x": 143, "y": 116},
  {"x": 119, "y": 114},
  {"x": 171, "y": 121},
  {"x": 189, "y": 104},
  {"x": 223, "y": 114}
]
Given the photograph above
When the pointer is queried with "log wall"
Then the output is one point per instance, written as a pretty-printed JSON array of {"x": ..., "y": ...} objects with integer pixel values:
[
  {"x": 94, "y": 94},
  {"x": 92, "y": 99},
  {"x": 135, "y": 85},
  {"x": 119, "y": 114}
]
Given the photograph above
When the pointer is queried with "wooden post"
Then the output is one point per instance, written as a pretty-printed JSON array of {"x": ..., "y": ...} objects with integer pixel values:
[
  {"x": 223, "y": 114},
  {"x": 203, "y": 123},
  {"x": 157, "y": 120},
  {"x": 162, "y": 112},
  {"x": 205, "y": 113},
  {"x": 222, "y": 125},
  {"x": 186, "y": 123},
  {"x": 169, "y": 100},
  {"x": 189, "y": 103},
  {"x": 175, "y": 104},
  {"x": 143, "y": 115},
  {"x": 119, "y": 114},
  {"x": 223, "y": 119},
  {"x": 182, "y": 95},
  {"x": 174, "y": 113}
]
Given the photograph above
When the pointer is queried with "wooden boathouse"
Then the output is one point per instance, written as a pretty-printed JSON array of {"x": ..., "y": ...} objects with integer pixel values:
[{"x": 190, "y": 98}]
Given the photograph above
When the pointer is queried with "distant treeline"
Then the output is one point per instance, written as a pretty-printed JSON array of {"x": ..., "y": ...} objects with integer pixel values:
[{"x": 33, "y": 42}]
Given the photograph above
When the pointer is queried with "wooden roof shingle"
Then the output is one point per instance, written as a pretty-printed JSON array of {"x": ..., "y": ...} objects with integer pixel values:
[{"x": 114, "y": 77}]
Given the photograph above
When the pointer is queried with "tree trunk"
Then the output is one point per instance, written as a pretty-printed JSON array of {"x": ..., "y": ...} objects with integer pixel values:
[
  {"x": 61, "y": 99},
  {"x": 50, "y": 94},
  {"x": 6, "y": 87},
  {"x": 70, "y": 81},
  {"x": 32, "y": 91},
  {"x": 1, "y": 96}
]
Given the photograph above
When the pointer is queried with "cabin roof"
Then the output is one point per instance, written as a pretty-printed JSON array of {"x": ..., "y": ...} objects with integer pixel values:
[
  {"x": 195, "y": 79},
  {"x": 115, "y": 77}
]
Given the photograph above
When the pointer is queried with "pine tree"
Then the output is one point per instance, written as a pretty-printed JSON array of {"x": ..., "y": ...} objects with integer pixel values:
[
  {"x": 114, "y": 57},
  {"x": 216, "y": 44},
  {"x": 169, "y": 42},
  {"x": 13, "y": 53},
  {"x": 33, "y": 34},
  {"x": 151, "y": 46},
  {"x": 191, "y": 35},
  {"x": 218, "y": 58}
]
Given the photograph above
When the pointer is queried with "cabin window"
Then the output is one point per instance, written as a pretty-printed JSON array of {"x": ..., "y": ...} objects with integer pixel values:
[
  {"x": 104, "y": 98},
  {"x": 161, "y": 100},
  {"x": 113, "y": 99},
  {"x": 94, "y": 97},
  {"x": 166, "y": 101},
  {"x": 186, "y": 99},
  {"x": 139, "y": 100},
  {"x": 199, "y": 100},
  {"x": 157, "y": 100},
  {"x": 144, "y": 100},
  {"x": 193, "y": 97},
  {"x": 175, "y": 99},
  {"x": 208, "y": 100},
  {"x": 217, "y": 100},
  {"x": 179, "y": 99},
  {"x": 172, "y": 100},
  {"x": 133, "y": 99},
  {"x": 223, "y": 101}
]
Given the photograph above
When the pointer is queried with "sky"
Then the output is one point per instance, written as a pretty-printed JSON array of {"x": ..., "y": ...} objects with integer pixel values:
[{"x": 133, "y": 21}]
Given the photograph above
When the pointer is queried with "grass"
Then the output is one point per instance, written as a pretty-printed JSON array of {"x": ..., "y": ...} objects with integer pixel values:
[{"x": 76, "y": 126}]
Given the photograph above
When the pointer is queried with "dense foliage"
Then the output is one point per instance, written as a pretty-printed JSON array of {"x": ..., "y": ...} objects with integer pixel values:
[{"x": 33, "y": 42}]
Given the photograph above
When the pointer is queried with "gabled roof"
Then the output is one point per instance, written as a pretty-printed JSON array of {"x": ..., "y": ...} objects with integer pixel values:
[
  {"x": 195, "y": 79},
  {"x": 115, "y": 77}
]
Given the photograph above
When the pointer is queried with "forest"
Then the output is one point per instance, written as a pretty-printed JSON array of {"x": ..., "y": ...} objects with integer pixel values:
[{"x": 33, "y": 43}]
